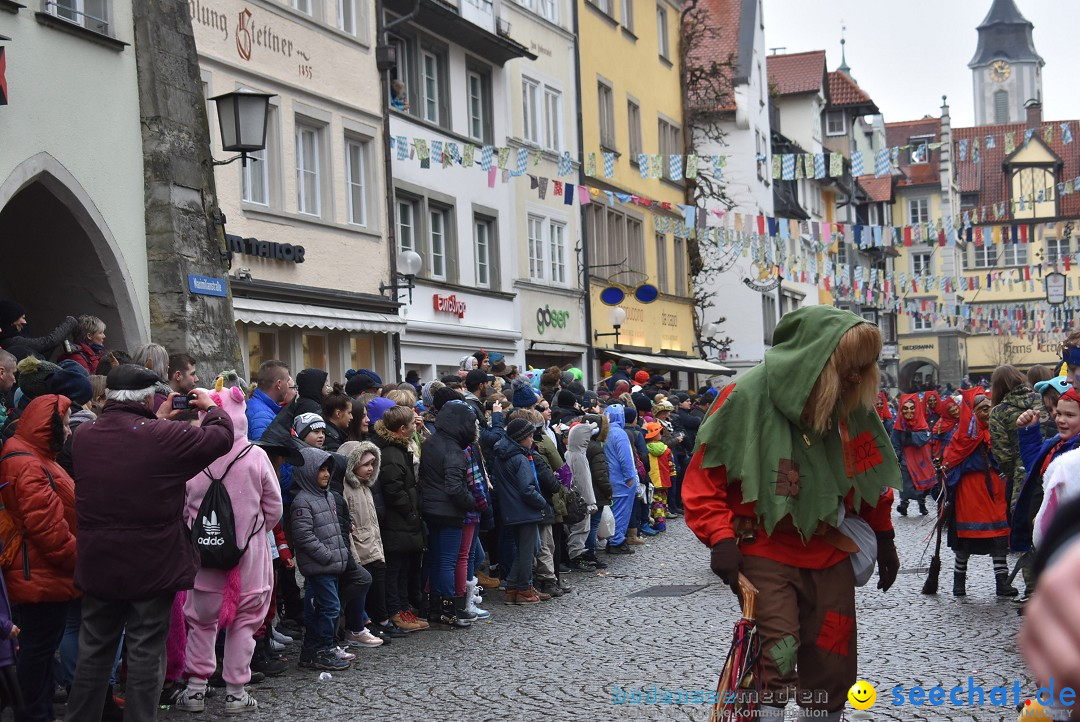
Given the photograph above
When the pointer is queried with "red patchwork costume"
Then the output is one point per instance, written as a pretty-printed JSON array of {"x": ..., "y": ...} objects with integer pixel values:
[{"x": 776, "y": 471}]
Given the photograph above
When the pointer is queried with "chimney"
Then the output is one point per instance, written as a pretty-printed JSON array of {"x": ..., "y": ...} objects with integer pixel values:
[{"x": 1034, "y": 114}]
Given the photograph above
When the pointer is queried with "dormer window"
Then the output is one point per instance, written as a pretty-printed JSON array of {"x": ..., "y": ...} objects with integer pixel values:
[{"x": 835, "y": 123}]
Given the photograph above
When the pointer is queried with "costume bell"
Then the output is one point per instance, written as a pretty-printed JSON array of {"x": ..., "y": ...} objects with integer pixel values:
[{"x": 786, "y": 448}]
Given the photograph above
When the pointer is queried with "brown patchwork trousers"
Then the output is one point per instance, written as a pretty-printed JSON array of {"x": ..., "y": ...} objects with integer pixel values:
[{"x": 806, "y": 621}]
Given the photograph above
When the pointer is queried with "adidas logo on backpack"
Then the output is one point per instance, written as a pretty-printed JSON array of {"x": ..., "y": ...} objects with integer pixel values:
[{"x": 214, "y": 531}]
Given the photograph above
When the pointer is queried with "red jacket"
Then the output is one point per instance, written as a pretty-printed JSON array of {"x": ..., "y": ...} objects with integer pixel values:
[
  {"x": 711, "y": 505},
  {"x": 85, "y": 356},
  {"x": 44, "y": 509}
]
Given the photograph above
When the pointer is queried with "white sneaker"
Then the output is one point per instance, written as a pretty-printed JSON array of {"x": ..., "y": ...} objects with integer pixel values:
[
  {"x": 279, "y": 637},
  {"x": 363, "y": 638},
  {"x": 189, "y": 701},
  {"x": 276, "y": 646},
  {"x": 343, "y": 654},
  {"x": 239, "y": 705}
]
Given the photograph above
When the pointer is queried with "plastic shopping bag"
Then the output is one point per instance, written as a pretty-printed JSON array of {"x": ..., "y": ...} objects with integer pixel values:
[{"x": 607, "y": 524}]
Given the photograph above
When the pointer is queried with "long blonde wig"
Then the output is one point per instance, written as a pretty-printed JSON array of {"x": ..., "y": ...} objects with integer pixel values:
[{"x": 849, "y": 380}]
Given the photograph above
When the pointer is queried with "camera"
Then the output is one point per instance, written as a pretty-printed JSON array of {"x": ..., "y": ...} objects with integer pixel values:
[{"x": 182, "y": 402}]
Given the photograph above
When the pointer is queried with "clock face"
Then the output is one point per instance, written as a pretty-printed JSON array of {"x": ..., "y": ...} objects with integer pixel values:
[{"x": 1000, "y": 71}]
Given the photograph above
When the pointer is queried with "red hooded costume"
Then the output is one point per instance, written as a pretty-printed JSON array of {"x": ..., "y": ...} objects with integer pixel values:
[
  {"x": 976, "y": 485},
  {"x": 920, "y": 466}
]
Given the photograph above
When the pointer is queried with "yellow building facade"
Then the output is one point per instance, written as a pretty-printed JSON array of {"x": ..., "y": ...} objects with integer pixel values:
[
  {"x": 631, "y": 103},
  {"x": 985, "y": 279}
]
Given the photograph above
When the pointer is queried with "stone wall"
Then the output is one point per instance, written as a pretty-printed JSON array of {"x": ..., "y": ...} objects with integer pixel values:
[{"x": 181, "y": 235}]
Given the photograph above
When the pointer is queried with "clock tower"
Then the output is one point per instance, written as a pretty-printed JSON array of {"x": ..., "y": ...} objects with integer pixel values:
[{"x": 1006, "y": 70}]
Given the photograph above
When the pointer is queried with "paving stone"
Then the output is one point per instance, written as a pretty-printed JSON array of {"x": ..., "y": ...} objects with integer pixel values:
[{"x": 565, "y": 658}]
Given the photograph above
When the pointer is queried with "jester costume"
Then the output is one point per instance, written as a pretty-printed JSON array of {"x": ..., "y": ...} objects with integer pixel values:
[
  {"x": 978, "y": 521},
  {"x": 764, "y": 491}
]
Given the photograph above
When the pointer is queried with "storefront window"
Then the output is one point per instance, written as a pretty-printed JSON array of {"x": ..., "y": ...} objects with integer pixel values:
[
  {"x": 360, "y": 352},
  {"x": 314, "y": 351},
  {"x": 262, "y": 347}
]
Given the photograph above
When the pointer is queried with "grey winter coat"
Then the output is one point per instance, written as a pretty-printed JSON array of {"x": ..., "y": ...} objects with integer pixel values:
[
  {"x": 577, "y": 444},
  {"x": 364, "y": 539},
  {"x": 317, "y": 542}
]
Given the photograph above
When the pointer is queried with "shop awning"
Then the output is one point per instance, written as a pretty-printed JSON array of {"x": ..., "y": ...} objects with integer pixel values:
[
  {"x": 675, "y": 363},
  {"x": 279, "y": 313}
]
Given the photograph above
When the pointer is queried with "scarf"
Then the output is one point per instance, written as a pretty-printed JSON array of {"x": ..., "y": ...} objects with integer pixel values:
[
  {"x": 929, "y": 403},
  {"x": 785, "y": 469},
  {"x": 475, "y": 480}
]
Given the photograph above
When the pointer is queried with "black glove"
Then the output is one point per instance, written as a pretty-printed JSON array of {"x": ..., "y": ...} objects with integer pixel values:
[
  {"x": 726, "y": 561},
  {"x": 887, "y": 559}
]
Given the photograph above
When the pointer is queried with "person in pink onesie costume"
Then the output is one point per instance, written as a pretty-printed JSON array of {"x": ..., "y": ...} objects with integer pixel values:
[{"x": 235, "y": 600}]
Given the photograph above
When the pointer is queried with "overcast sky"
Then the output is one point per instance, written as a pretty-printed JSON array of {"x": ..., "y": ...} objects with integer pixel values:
[{"x": 907, "y": 54}]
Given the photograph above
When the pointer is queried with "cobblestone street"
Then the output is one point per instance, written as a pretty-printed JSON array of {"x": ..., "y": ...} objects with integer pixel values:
[{"x": 562, "y": 659}]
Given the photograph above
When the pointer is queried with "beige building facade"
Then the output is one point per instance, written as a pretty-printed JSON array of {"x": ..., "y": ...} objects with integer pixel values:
[{"x": 305, "y": 222}]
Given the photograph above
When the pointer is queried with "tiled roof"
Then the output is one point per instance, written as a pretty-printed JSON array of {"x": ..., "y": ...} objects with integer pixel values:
[
  {"x": 900, "y": 134},
  {"x": 879, "y": 190},
  {"x": 795, "y": 73},
  {"x": 720, "y": 43},
  {"x": 845, "y": 92},
  {"x": 988, "y": 179}
]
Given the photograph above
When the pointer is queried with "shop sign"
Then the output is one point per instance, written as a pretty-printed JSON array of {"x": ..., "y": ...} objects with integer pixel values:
[
  {"x": 449, "y": 304},
  {"x": 264, "y": 249},
  {"x": 548, "y": 318},
  {"x": 1055, "y": 288},
  {"x": 207, "y": 285},
  {"x": 919, "y": 347}
]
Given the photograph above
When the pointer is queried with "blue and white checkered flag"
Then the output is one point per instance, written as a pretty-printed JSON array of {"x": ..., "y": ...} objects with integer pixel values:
[
  {"x": 402, "y": 147},
  {"x": 789, "y": 166},
  {"x": 487, "y": 157},
  {"x": 819, "y": 165},
  {"x": 436, "y": 151},
  {"x": 1066, "y": 133},
  {"x": 522, "y": 161},
  {"x": 609, "y": 164},
  {"x": 881, "y": 162},
  {"x": 961, "y": 149},
  {"x": 565, "y": 164},
  {"x": 675, "y": 165},
  {"x": 990, "y": 142},
  {"x": 857, "y": 163},
  {"x": 643, "y": 165}
]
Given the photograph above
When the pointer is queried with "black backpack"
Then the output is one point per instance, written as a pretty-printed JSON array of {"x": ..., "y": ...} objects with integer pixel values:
[{"x": 214, "y": 530}]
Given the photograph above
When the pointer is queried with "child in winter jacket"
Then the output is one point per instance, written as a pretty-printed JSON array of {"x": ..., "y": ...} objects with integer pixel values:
[
  {"x": 321, "y": 555},
  {"x": 237, "y": 599},
  {"x": 363, "y": 459},
  {"x": 660, "y": 473},
  {"x": 577, "y": 444}
]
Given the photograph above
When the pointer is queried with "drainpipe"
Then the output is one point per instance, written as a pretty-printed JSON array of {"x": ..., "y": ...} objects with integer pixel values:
[
  {"x": 381, "y": 28},
  {"x": 590, "y": 354}
]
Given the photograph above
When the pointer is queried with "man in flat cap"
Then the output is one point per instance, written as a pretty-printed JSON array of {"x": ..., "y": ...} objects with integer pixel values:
[{"x": 134, "y": 551}]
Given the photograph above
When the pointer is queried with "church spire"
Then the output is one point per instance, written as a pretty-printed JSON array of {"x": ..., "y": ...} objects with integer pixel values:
[
  {"x": 843, "y": 56},
  {"x": 1005, "y": 34}
]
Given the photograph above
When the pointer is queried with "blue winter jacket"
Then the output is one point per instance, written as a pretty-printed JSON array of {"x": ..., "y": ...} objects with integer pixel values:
[
  {"x": 1033, "y": 451},
  {"x": 261, "y": 410},
  {"x": 617, "y": 451},
  {"x": 520, "y": 498}
]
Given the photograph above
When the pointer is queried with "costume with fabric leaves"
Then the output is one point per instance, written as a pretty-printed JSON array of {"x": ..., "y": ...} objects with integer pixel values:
[{"x": 763, "y": 479}]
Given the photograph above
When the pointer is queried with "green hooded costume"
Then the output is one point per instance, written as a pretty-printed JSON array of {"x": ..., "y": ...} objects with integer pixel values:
[{"x": 784, "y": 467}]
